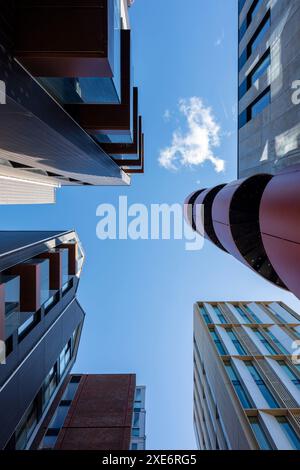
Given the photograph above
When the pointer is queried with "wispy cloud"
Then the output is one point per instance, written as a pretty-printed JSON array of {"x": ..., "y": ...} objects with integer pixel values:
[
  {"x": 167, "y": 115},
  {"x": 197, "y": 145},
  {"x": 220, "y": 39}
]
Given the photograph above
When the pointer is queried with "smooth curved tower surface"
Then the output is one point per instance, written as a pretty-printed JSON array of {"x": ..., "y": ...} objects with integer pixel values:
[
  {"x": 280, "y": 226},
  {"x": 256, "y": 220}
]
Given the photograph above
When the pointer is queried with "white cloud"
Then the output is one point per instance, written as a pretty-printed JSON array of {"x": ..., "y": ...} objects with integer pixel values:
[
  {"x": 196, "y": 145},
  {"x": 167, "y": 115}
]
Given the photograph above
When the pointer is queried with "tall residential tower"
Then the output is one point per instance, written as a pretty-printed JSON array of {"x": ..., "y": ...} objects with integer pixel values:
[{"x": 246, "y": 382}]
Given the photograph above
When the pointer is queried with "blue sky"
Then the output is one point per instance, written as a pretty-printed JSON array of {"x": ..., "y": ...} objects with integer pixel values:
[{"x": 139, "y": 295}]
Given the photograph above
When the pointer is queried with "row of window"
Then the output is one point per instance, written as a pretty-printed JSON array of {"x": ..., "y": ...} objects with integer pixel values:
[
  {"x": 241, "y": 390},
  {"x": 211, "y": 404},
  {"x": 255, "y": 108},
  {"x": 60, "y": 414},
  {"x": 51, "y": 383},
  {"x": 262, "y": 437},
  {"x": 253, "y": 10},
  {"x": 265, "y": 340},
  {"x": 249, "y": 316},
  {"x": 255, "y": 40},
  {"x": 264, "y": 99}
]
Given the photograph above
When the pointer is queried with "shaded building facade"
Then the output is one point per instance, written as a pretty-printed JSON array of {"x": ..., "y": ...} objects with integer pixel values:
[
  {"x": 95, "y": 412},
  {"x": 268, "y": 77},
  {"x": 246, "y": 383},
  {"x": 69, "y": 110},
  {"x": 41, "y": 323}
]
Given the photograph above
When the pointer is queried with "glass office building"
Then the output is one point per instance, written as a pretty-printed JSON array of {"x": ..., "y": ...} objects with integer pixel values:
[{"x": 246, "y": 377}]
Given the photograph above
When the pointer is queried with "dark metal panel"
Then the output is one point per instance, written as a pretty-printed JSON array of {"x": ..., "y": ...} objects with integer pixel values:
[
  {"x": 47, "y": 138},
  {"x": 65, "y": 39},
  {"x": 221, "y": 219},
  {"x": 188, "y": 207},
  {"x": 207, "y": 198},
  {"x": 108, "y": 117},
  {"x": 18, "y": 393},
  {"x": 280, "y": 227},
  {"x": 285, "y": 257}
]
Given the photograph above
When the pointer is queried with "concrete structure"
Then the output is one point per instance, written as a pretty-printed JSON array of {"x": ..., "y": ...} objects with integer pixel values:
[
  {"x": 95, "y": 412},
  {"x": 69, "y": 110},
  {"x": 41, "y": 323},
  {"x": 256, "y": 220},
  {"x": 246, "y": 385},
  {"x": 269, "y": 74}
]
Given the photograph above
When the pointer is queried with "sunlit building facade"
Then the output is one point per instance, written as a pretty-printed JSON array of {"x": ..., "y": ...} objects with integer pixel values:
[
  {"x": 246, "y": 379},
  {"x": 268, "y": 76}
]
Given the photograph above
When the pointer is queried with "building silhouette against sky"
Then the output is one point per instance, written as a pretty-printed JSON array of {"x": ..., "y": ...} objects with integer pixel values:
[{"x": 246, "y": 386}]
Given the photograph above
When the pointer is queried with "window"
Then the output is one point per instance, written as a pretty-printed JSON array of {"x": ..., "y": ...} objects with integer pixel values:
[
  {"x": 257, "y": 72},
  {"x": 218, "y": 343},
  {"x": 254, "y": 316},
  {"x": 264, "y": 341},
  {"x": 259, "y": 34},
  {"x": 276, "y": 341},
  {"x": 64, "y": 358},
  {"x": 220, "y": 315},
  {"x": 249, "y": 17},
  {"x": 290, "y": 373},
  {"x": 289, "y": 432},
  {"x": 253, "y": 10},
  {"x": 242, "y": 314},
  {"x": 27, "y": 426},
  {"x": 261, "y": 385},
  {"x": 134, "y": 446},
  {"x": 296, "y": 332},
  {"x": 136, "y": 419},
  {"x": 259, "y": 69},
  {"x": 240, "y": 391},
  {"x": 236, "y": 342},
  {"x": 49, "y": 386},
  {"x": 205, "y": 315},
  {"x": 260, "y": 435},
  {"x": 241, "y": 5},
  {"x": 256, "y": 39},
  {"x": 260, "y": 103},
  {"x": 136, "y": 432}
]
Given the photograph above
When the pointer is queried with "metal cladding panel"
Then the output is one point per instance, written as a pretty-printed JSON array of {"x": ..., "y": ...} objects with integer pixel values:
[
  {"x": 221, "y": 219},
  {"x": 280, "y": 227},
  {"x": 188, "y": 209},
  {"x": 207, "y": 198},
  {"x": 20, "y": 192},
  {"x": 100, "y": 416},
  {"x": 17, "y": 241},
  {"x": 64, "y": 39},
  {"x": 48, "y": 138}
]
